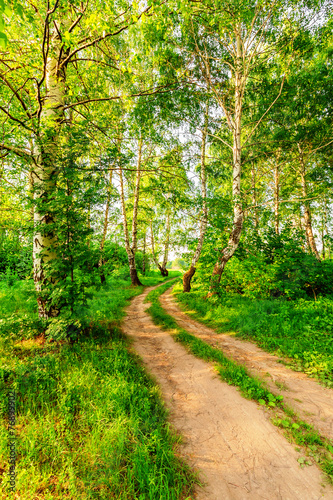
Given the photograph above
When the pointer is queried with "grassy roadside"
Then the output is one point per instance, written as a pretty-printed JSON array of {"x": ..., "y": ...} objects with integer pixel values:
[
  {"x": 300, "y": 330},
  {"x": 90, "y": 423},
  {"x": 315, "y": 448}
]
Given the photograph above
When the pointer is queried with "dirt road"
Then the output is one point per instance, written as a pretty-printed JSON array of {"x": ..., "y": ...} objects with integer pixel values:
[
  {"x": 313, "y": 402},
  {"x": 230, "y": 440}
]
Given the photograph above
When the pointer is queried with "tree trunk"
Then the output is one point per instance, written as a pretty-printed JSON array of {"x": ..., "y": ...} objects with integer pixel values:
[
  {"x": 133, "y": 272},
  {"x": 131, "y": 249},
  {"x": 44, "y": 178},
  {"x": 187, "y": 279},
  {"x": 323, "y": 253},
  {"x": 238, "y": 217},
  {"x": 89, "y": 223},
  {"x": 306, "y": 205},
  {"x": 105, "y": 227},
  {"x": 203, "y": 220},
  {"x": 136, "y": 200}
]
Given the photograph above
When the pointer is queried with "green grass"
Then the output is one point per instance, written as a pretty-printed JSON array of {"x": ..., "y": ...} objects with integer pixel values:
[
  {"x": 315, "y": 447},
  {"x": 229, "y": 371},
  {"x": 90, "y": 422},
  {"x": 301, "y": 330},
  {"x": 157, "y": 292}
]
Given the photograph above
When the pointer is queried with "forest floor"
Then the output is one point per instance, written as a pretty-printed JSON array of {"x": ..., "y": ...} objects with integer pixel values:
[{"x": 230, "y": 440}]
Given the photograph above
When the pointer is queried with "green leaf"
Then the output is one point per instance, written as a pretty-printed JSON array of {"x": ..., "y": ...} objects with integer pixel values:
[
  {"x": 3, "y": 40},
  {"x": 19, "y": 10}
]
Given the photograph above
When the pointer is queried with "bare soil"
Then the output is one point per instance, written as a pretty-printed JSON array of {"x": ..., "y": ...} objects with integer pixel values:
[
  {"x": 312, "y": 402},
  {"x": 231, "y": 442}
]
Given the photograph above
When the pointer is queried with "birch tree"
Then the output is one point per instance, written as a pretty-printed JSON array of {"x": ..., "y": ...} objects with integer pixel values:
[
  {"x": 50, "y": 68},
  {"x": 228, "y": 45}
]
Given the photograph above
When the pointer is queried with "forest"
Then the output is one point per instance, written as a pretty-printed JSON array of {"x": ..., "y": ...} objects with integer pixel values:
[{"x": 170, "y": 160}]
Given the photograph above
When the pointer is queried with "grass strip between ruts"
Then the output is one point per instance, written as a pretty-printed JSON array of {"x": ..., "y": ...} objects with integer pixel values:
[{"x": 314, "y": 446}]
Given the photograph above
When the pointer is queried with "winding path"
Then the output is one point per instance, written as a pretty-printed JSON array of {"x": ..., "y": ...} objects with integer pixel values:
[
  {"x": 313, "y": 402},
  {"x": 230, "y": 440}
]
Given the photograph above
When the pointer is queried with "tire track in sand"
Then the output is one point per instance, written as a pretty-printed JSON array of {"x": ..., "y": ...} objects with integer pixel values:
[
  {"x": 313, "y": 402},
  {"x": 230, "y": 440}
]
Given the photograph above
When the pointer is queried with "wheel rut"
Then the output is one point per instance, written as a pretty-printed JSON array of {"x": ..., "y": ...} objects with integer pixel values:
[
  {"x": 231, "y": 442},
  {"x": 312, "y": 402}
]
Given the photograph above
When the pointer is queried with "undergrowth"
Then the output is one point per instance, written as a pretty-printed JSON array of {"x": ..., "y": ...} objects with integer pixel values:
[
  {"x": 90, "y": 423},
  {"x": 300, "y": 330}
]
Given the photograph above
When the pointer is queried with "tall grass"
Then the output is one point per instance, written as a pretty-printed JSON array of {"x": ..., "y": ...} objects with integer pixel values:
[
  {"x": 301, "y": 330},
  {"x": 90, "y": 422}
]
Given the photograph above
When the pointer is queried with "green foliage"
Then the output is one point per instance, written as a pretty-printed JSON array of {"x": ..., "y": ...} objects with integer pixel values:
[
  {"x": 18, "y": 310},
  {"x": 92, "y": 418},
  {"x": 15, "y": 258},
  {"x": 178, "y": 263},
  {"x": 114, "y": 258},
  {"x": 270, "y": 265},
  {"x": 139, "y": 259},
  {"x": 104, "y": 395}
]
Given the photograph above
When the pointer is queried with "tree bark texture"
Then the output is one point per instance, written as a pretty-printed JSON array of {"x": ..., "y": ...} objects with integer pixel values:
[
  {"x": 162, "y": 267},
  {"x": 152, "y": 242},
  {"x": 166, "y": 246},
  {"x": 144, "y": 255},
  {"x": 44, "y": 176}
]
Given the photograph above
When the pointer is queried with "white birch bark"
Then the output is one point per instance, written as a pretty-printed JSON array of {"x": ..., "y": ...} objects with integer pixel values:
[
  {"x": 164, "y": 270},
  {"x": 152, "y": 242},
  {"x": 162, "y": 267},
  {"x": 136, "y": 200},
  {"x": 44, "y": 177}
]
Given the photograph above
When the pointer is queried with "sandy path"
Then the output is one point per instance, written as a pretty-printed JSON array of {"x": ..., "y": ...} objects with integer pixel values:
[
  {"x": 239, "y": 453},
  {"x": 313, "y": 402}
]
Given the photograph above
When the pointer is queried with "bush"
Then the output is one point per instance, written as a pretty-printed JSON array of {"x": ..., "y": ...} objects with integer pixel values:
[
  {"x": 15, "y": 258},
  {"x": 273, "y": 265}
]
